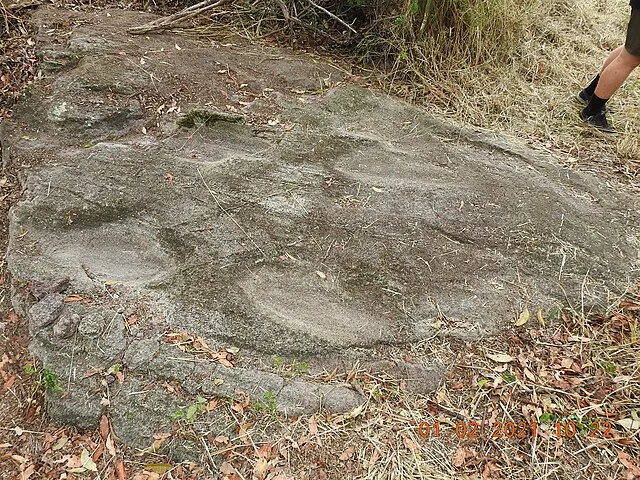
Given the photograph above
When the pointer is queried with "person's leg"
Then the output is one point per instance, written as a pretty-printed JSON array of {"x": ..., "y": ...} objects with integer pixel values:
[
  {"x": 614, "y": 75},
  {"x": 615, "y": 71},
  {"x": 587, "y": 92},
  {"x": 610, "y": 81},
  {"x": 612, "y": 56}
]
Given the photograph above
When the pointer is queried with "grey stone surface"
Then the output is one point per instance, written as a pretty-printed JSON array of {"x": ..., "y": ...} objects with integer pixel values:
[
  {"x": 80, "y": 406},
  {"x": 348, "y": 222},
  {"x": 84, "y": 44},
  {"x": 46, "y": 311},
  {"x": 140, "y": 352},
  {"x": 228, "y": 381},
  {"x": 40, "y": 289},
  {"x": 419, "y": 379},
  {"x": 142, "y": 410},
  {"x": 170, "y": 363},
  {"x": 66, "y": 325},
  {"x": 105, "y": 330},
  {"x": 52, "y": 60},
  {"x": 338, "y": 399},
  {"x": 298, "y": 398}
]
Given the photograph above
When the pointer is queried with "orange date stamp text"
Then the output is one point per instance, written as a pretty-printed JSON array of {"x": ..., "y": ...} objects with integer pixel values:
[{"x": 511, "y": 430}]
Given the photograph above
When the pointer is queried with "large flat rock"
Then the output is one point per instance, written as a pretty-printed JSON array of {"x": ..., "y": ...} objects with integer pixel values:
[{"x": 307, "y": 225}]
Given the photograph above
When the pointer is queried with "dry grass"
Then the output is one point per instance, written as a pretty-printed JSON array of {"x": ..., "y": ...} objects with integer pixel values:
[
  {"x": 512, "y": 66},
  {"x": 573, "y": 373},
  {"x": 554, "y": 48},
  {"x": 560, "y": 370}
]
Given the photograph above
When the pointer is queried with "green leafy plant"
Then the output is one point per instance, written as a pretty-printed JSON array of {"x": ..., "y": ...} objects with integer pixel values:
[
  {"x": 47, "y": 379},
  {"x": 548, "y": 417},
  {"x": 50, "y": 381},
  {"x": 583, "y": 424},
  {"x": 267, "y": 404},
  {"x": 189, "y": 413},
  {"x": 300, "y": 367},
  {"x": 278, "y": 362},
  {"x": 609, "y": 367},
  {"x": 295, "y": 367}
]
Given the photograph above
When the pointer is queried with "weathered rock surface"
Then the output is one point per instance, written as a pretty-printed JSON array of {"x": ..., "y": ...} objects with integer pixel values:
[
  {"x": 322, "y": 225},
  {"x": 66, "y": 325},
  {"x": 46, "y": 311}
]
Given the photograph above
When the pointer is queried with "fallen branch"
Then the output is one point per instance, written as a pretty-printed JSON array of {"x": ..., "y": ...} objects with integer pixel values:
[
  {"x": 9, "y": 6},
  {"x": 336, "y": 18},
  {"x": 172, "y": 20}
]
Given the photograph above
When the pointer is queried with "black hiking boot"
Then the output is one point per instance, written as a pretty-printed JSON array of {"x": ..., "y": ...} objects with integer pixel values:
[
  {"x": 583, "y": 98},
  {"x": 598, "y": 121}
]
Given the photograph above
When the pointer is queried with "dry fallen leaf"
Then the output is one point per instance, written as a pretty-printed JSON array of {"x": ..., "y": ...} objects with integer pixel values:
[
  {"x": 313, "y": 426},
  {"x": 104, "y": 427},
  {"x": 242, "y": 405},
  {"x": 410, "y": 444},
  {"x": 624, "y": 459},
  {"x": 566, "y": 362},
  {"x": 348, "y": 453},
  {"x": 120, "y": 471},
  {"x": 226, "y": 468},
  {"x": 160, "y": 468},
  {"x": 629, "y": 424},
  {"x": 264, "y": 451},
  {"x": 523, "y": 318},
  {"x": 243, "y": 433},
  {"x": 529, "y": 374},
  {"x": 8, "y": 384},
  {"x": 260, "y": 469},
  {"x": 27, "y": 472},
  {"x": 500, "y": 357},
  {"x": 19, "y": 459},
  {"x": 222, "y": 358},
  {"x": 98, "y": 453},
  {"x": 491, "y": 470},
  {"x": 5, "y": 361},
  {"x": 110, "y": 446},
  {"x": 459, "y": 458},
  {"x": 87, "y": 462}
]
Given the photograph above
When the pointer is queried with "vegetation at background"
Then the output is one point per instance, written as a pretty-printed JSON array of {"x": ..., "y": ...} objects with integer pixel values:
[
  {"x": 507, "y": 65},
  {"x": 46, "y": 378}
]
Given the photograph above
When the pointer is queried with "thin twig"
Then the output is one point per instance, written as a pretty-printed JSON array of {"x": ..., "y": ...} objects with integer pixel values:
[
  {"x": 206, "y": 447},
  {"x": 172, "y": 20},
  {"x": 224, "y": 210},
  {"x": 336, "y": 18}
]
